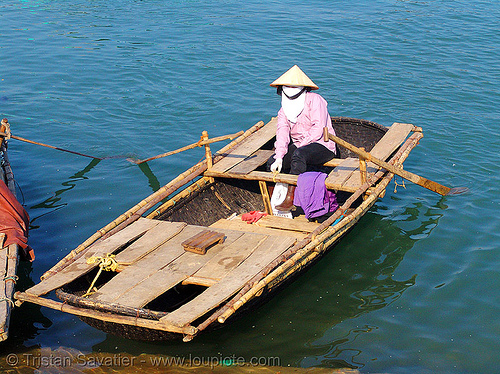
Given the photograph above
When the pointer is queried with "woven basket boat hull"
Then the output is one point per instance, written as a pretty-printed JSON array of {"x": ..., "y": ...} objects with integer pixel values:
[{"x": 161, "y": 290}]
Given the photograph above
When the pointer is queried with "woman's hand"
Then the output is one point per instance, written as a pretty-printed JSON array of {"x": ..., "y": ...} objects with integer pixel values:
[{"x": 276, "y": 166}]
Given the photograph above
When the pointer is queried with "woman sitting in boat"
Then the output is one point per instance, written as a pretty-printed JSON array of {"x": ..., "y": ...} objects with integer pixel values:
[{"x": 299, "y": 145}]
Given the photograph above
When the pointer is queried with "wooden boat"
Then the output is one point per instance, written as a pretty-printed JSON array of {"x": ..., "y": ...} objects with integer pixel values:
[
  {"x": 174, "y": 268},
  {"x": 9, "y": 254}
]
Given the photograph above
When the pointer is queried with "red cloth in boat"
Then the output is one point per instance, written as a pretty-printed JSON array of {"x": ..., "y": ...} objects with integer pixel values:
[
  {"x": 14, "y": 221},
  {"x": 252, "y": 216}
]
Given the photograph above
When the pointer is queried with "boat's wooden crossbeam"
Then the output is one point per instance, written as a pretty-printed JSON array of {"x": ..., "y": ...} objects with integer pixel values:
[{"x": 346, "y": 175}]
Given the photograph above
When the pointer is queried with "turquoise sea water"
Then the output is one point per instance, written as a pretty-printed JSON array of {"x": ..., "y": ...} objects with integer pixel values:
[{"x": 412, "y": 289}]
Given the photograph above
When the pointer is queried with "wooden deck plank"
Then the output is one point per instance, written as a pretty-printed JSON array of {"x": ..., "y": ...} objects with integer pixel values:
[
  {"x": 246, "y": 148},
  {"x": 252, "y": 162},
  {"x": 392, "y": 139},
  {"x": 213, "y": 296},
  {"x": 150, "y": 241},
  {"x": 80, "y": 267},
  {"x": 338, "y": 176},
  {"x": 173, "y": 273},
  {"x": 238, "y": 224}
]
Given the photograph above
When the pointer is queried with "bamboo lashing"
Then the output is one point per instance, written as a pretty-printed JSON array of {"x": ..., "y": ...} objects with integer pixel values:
[
  {"x": 323, "y": 231},
  {"x": 148, "y": 202},
  {"x": 201, "y": 142},
  {"x": 421, "y": 181}
]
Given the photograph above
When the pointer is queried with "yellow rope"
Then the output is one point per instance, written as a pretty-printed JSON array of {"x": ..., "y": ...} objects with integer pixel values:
[
  {"x": 275, "y": 173},
  {"x": 396, "y": 184},
  {"x": 107, "y": 263}
]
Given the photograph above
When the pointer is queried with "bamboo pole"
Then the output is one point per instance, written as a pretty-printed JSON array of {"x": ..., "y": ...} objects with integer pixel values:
[
  {"x": 362, "y": 168},
  {"x": 147, "y": 203},
  {"x": 265, "y": 197},
  {"x": 201, "y": 142},
  {"x": 208, "y": 153},
  {"x": 11, "y": 262},
  {"x": 328, "y": 232}
]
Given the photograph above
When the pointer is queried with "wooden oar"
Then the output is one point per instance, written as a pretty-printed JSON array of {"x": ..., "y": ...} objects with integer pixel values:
[
  {"x": 194, "y": 145},
  {"x": 421, "y": 181}
]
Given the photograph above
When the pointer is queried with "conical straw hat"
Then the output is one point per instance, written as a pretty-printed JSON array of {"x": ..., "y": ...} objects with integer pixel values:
[{"x": 294, "y": 77}]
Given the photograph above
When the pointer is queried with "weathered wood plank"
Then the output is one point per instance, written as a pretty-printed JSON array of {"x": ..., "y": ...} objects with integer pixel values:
[
  {"x": 336, "y": 179},
  {"x": 150, "y": 241},
  {"x": 283, "y": 223},
  {"x": 157, "y": 281},
  {"x": 80, "y": 267},
  {"x": 238, "y": 224},
  {"x": 246, "y": 147},
  {"x": 213, "y": 296},
  {"x": 392, "y": 139},
  {"x": 252, "y": 162}
]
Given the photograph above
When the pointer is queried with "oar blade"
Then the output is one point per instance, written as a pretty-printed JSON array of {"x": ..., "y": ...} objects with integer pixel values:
[{"x": 458, "y": 191}]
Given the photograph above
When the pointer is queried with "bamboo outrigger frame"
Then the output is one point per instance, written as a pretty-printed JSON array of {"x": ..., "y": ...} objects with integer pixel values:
[{"x": 302, "y": 244}]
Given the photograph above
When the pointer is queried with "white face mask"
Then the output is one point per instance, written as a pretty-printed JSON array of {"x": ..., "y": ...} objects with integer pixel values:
[{"x": 293, "y": 106}]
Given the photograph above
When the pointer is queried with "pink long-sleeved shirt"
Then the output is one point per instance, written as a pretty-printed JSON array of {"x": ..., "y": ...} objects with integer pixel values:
[{"x": 308, "y": 128}]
